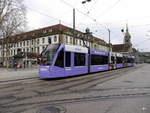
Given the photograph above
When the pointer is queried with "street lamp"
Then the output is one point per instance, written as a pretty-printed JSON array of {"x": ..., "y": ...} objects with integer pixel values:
[
  {"x": 86, "y": 35},
  {"x": 109, "y": 46}
]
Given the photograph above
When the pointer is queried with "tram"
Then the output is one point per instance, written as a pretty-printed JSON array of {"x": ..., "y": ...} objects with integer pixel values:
[{"x": 60, "y": 60}]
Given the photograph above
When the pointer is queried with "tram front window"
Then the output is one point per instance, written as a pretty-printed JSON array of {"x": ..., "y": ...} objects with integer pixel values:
[{"x": 48, "y": 55}]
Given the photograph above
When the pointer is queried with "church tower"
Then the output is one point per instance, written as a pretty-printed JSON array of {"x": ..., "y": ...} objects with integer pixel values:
[{"x": 127, "y": 37}]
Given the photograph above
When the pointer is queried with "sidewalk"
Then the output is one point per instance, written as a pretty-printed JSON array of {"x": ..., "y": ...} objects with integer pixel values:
[{"x": 12, "y": 74}]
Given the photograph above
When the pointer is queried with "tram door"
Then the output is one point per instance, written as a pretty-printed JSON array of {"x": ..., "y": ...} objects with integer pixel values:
[
  {"x": 59, "y": 64},
  {"x": 68, "y": 69}
]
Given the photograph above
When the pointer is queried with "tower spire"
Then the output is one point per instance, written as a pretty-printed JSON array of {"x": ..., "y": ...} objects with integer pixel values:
[
  {"x": 127, "y": 37},
  {"x": 127, "y": 27}
]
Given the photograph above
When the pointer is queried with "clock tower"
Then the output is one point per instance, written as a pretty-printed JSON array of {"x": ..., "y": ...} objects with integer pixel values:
[{"x": 127, "y": 38}]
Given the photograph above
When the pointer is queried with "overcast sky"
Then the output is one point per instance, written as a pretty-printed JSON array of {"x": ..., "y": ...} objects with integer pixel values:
[{"x": 98, "y": 15}]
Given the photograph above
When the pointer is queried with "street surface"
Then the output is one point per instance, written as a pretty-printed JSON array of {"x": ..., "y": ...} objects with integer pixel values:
[{"x": 119, "y": 91}]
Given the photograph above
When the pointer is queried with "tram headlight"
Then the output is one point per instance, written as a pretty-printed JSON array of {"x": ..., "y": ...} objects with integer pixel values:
[{"x": 44, "y": 69}]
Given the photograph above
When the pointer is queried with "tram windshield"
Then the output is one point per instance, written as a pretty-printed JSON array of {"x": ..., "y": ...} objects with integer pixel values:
[{"x": 48, "y": 54}]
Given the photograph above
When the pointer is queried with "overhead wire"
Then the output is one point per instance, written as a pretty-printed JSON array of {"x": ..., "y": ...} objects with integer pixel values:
[
  {"x": 44, "y": 14},
  {"x": 90, "y": 17},
  {"x": 93, "y": 19},
  {"x": 109, "y": 8}
]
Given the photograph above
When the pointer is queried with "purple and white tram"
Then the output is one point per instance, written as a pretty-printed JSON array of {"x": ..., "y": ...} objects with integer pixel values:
[
  {"x": 59, "y": 60},
  {"x": 130, "y": 61},
  {"x": 119, "y": 60}
]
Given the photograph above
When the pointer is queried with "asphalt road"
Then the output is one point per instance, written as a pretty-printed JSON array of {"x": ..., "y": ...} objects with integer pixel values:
[{"x": 119, "y": 91}]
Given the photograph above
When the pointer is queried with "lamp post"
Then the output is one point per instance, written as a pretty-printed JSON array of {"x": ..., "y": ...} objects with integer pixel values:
[
  {"x": 86, "y": 35},
  {"x": 109, "y": 62},
  {"x": 109, "y": 51},
  {"x": 73, "y": 26}
]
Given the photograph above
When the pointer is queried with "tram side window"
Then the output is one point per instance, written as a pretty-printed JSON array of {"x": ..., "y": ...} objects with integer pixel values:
[
  {"x": 79, "y": 59},
  {"x": 130, "y": 60},
  {"x": 60, "y": 59},
  {"x": 119, "y": 59},
  {"x": 105, "y": 60},
  {"x": 68, "y": 59},
  {"x": 112, "y": 59},
  {"x": 99, "y": 60}
]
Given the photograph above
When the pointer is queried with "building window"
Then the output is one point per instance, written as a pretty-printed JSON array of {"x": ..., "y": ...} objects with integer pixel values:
[
  {"x": 20, "y": 44},
  {"x": 44, "y": 31},
  {"x": 43, "y": 48},
  {"x": 33, "y": 34},
  {"x": 50, "y": 30},
  {"x": 31, "y": 49},
  {"x": 32, "y": 42},
  {"x": 66, "y": 39},
  {"x": 86, "y": 43},
  {"x": 38, "y": 50},
  {"x": 79, "y": 59},
  {"x": 55, "y": 38},
  {"x": 49, "y": 40},
  {"x": 43, "y": 40},
  {"x": 38, "y": 41},
  {"x": 80, "y": 43},
  {"x": 76, "y": 41},
  {"x": 71, "y": 40},
  {"x": 24, "y": 43},
  {"x": 27, "y": 42},
  {"x": 25, "y": 36}
]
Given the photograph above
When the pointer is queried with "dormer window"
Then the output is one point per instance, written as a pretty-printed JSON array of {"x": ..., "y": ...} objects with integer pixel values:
[
  {"x": 44, "y": 31},
  {"x": 50, "y": 30},
  {"x": 33, "y": 34}
]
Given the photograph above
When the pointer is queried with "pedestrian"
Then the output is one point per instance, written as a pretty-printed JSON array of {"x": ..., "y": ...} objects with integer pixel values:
[{"x": 15, "y": 66}]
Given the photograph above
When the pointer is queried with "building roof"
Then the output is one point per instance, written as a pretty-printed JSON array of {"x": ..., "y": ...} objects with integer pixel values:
[
  {"x": 120, "y": 48},
  {"x": 46, "y": 31}
]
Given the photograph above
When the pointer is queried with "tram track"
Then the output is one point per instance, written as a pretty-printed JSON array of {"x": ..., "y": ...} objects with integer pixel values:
[
  {"x": 40, "y": 93},
  {"x": 61, "y": 81},
  {"x": 46, "y": 92},
  {"x": 57, "y": 102},
  {"x": 53, "y": 85}
]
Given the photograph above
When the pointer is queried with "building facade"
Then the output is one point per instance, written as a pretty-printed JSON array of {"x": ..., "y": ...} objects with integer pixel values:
[{"x": 35, "y": 41}]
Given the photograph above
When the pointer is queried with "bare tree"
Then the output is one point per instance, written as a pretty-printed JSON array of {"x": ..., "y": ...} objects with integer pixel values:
[{"x": 12, "y": 20}]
